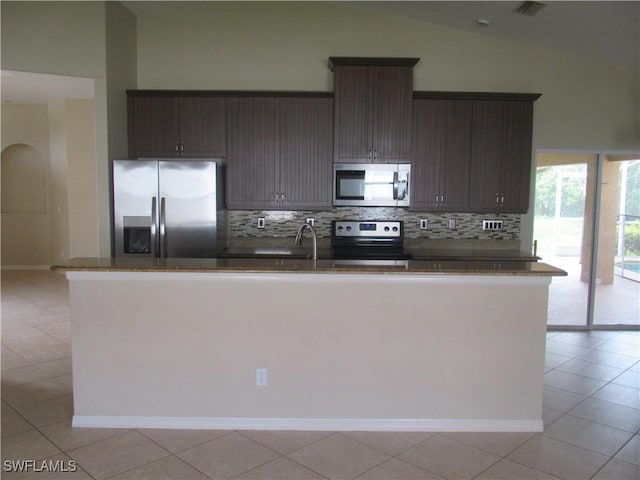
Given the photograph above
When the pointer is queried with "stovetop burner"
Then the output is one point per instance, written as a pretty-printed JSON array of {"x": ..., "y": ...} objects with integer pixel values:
[{"x": 368, "y": 239}]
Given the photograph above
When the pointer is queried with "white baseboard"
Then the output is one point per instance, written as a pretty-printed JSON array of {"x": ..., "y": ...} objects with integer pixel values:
[{"x": 309, "y": 424}]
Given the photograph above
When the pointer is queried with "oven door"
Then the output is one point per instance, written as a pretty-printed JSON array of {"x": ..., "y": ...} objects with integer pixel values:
[{"x": 371, "y": 185}]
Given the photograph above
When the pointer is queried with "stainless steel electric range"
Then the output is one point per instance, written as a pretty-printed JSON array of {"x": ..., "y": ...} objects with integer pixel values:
[{"x": 368, "y": 240}]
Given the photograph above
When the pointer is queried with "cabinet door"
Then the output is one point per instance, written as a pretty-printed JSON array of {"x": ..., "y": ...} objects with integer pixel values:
[
  {"x": 202, "y": 127},
  {"x": 153, "y": 126},
  {"x": 392, "y": 104},
  {"x": 353, "y": 114},
  {"x": 516, "y": 159},
  {"x": 456, "y": 163},
  {"x": 428, "y": 150},
  {"x": 486, "y": 147},
  {"x": 501, "y": 149},
  {"x": 252, "y": 153},
  {"x": 306, "y": 142},
  {"x": 442, "y": 154}
]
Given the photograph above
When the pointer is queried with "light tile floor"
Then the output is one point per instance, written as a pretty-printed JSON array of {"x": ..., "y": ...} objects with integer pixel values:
[{"x": 591, "y": 414}]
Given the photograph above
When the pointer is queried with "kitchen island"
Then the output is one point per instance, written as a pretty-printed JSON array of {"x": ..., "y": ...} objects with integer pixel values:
[{"x": 308, "y": 345}]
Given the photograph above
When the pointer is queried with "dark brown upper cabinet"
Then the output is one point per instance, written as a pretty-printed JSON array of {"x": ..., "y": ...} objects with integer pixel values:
[
  {"x": 472, "y": 151},
  {"x": 440, "y": 170},
  {"x": 306, "y": 144},
  {"x": 279, "y": 152},
  {"x": 501, "y": 156},
  {"x": 373, "y": 98},
  {"x": 252, "y": 153},
  {"x": 178, "y": 125}
]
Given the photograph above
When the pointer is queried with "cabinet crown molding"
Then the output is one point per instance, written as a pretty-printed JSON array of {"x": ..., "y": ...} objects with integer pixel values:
[{"x": 372, "y": 62}]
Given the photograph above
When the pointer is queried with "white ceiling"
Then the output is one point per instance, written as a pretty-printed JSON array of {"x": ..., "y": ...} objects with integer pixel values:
[{"x": 607, "y": 31}]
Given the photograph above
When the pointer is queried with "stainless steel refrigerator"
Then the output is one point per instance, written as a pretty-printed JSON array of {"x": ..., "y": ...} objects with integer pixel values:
[{"x": 165, "y": 208}]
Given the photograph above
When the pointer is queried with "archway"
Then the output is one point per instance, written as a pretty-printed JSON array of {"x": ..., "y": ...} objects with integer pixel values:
[{"x": 26, "y": 226}]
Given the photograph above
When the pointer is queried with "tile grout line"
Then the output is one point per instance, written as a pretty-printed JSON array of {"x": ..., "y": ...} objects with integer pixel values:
[{"x": 612, "y": 457}]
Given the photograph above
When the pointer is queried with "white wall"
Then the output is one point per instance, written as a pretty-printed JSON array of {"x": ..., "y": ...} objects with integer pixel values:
[
  {"x": 285, "y": 46},
  {"x": 64, "y": 38},
  {"x": 81, "y": 192},
  {"x": 25, "y": 236},
  {"x": 86, "y": 38},
  {"x": 59, "y": 242},
  {"x": 63, "y": 133}
]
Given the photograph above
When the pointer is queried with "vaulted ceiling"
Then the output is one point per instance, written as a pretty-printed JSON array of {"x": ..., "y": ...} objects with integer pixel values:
[
  {"x": 605, "y": 31},
  {"x": 602, "y": 31}
]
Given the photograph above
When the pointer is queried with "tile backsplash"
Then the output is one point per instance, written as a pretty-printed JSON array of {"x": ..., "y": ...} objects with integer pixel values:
[{"x": 284, "y": 224}]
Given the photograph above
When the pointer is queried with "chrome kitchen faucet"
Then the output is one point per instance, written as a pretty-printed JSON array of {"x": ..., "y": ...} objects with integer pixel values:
[{"x": 300, "y": 234}]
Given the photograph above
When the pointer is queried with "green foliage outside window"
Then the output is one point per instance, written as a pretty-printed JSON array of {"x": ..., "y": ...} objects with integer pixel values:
[
  {"x": 572, "y": 190},
  {"x": 632, "y": 240}
]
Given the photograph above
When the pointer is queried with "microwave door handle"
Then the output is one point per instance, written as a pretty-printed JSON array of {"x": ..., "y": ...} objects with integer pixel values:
[
  {"x": 395, "y": 185},
  {"x": 154, "y": 226}
]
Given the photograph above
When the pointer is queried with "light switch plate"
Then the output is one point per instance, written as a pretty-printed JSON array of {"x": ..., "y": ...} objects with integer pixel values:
[
  {"x": 424, "y": 224},
  {"x": 260, "y": 222}
]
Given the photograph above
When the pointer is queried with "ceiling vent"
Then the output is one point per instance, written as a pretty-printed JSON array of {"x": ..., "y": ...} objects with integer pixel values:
[{"x": 530, "y": 8}]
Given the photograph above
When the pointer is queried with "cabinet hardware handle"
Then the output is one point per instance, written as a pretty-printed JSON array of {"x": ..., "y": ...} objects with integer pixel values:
[
  {"x": 442, "y": 198},
  {"x": 277, "y": 198},
  {"x": 182, "y": 148},
  {"x": 369, "y": 157},
  {"x": 437, "y": 197},
  {"x": 282, "y": 198},
  {"x": 375, "y": 154},
  {"x": 177, "y": 148}
]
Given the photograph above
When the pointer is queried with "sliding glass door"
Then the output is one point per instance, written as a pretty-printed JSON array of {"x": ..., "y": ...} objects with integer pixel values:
[
  {"x": 588, "y": 206},
  {"x": 559, "y": 226},
  {"x": 617, "y": 282}
]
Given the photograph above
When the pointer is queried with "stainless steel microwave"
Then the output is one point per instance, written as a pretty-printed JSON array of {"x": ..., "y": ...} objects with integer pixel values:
[{"x": 371, "y": 184}]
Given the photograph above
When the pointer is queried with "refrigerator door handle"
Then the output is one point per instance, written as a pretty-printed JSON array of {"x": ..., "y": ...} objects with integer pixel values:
[
  {"x": 163, "y": 228},
  {"x": 154, "y": 226}
]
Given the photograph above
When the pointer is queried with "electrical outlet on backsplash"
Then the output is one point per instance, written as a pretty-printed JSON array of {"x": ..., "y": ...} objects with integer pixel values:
[{"x": 284, "y": 223}]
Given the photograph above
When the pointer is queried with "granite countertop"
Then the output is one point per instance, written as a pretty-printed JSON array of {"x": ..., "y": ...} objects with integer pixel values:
[
  {"x": 275, "y": 252},
  {"x": 486, "y": 254},
  {"x": 299, "y": 265},
  {"x": 480, "y": 254}
]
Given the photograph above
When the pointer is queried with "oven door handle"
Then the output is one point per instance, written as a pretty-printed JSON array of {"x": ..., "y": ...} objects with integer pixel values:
[{"x": 395, "y": 185}]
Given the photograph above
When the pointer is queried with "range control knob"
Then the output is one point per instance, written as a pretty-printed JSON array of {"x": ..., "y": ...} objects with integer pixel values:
[
  {"x": 348, "y": 229},
  {"x": 386, "y": 229},
  {"x": 395, "y": 229},
  {"x": 340, "y": 228}
]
